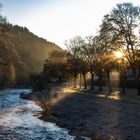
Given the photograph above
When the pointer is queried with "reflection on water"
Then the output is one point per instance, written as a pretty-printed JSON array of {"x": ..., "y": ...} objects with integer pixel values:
[{"x": 16, "y": 115}]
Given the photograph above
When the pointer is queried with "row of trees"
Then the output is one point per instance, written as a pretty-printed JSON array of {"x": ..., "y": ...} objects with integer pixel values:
[
  {"x": 116, "y": 46},
  {"x": 118, "y": 34}
]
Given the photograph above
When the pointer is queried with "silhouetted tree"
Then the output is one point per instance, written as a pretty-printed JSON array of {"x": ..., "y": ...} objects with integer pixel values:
[
  {"x": 92, "y": 56},
  {"x": 122, "y": 24},
  {"x": 74, "y": 46}
]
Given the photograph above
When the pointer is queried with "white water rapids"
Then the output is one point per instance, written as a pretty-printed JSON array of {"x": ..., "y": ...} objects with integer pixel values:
[{"x": 16, "y": 116}]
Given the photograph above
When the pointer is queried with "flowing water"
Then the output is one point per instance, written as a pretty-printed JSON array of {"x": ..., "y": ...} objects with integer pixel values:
[{"x": 16, "y": 117}]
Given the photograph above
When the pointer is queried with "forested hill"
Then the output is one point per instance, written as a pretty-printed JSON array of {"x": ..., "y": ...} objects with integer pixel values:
[{"x": 23, "y": 53}]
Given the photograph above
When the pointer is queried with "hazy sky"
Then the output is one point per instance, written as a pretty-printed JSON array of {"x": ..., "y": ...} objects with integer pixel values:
[{"x": 59, "y": 20}]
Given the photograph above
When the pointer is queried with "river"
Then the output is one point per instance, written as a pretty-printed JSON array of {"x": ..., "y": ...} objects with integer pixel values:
[{"x": 17, "y": 121}]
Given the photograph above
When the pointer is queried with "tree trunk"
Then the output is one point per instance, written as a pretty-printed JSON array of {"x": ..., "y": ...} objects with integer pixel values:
[
  {"x": 123, "y": 83},
  {"x": 136, "y": 73},
  {"x": 109, "y": 82},
  {"x": 92, "y": 80},
  {"x": 100, "y": 83},
  {"x": 80, "y": 80},
  {"x": 138, "y": 86},
  {"x": 75, "y": 76},
  {"x": 85, "y": 82},
  {"x": 74, "y": 82}
]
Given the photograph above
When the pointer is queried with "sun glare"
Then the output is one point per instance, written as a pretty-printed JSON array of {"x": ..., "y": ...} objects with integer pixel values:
[{"x": 118, "y": 54}]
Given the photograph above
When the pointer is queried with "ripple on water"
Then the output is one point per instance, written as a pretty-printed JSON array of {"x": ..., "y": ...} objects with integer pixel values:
[{"x": 16, "y": 116}]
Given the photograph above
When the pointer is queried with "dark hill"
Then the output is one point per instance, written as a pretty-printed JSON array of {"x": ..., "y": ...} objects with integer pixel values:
[{"x": 23, "y": 53}]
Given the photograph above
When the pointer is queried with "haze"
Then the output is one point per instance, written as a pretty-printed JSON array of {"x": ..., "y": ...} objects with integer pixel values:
[{"x": 59, "y": 20}]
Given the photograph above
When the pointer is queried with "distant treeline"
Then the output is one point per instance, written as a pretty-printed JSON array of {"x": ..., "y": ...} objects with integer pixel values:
[
  {"x": 115, "y": 47},
  {"x": 21, "y": 53}
]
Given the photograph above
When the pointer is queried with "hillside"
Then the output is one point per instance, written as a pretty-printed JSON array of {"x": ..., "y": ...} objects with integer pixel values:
[{"x": 23, "y": 53}]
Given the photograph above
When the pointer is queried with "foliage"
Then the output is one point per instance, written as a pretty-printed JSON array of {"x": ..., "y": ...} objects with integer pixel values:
[
  {"x": 95, "y": 54},
  {"x": 122, "y": 24},
  {"x": 55, "y": 71},
  {"x": 23, "y": 51},
  {"x": 119, "y": 31}
]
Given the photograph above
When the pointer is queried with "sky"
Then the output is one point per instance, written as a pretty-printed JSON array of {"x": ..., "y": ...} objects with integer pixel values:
[{"x": 59, "y": 20}]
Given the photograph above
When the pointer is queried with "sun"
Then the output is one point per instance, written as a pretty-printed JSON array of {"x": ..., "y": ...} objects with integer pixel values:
[{"x": 118, "y": 54}]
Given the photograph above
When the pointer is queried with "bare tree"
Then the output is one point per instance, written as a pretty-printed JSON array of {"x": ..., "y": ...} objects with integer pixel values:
[
  {"x": 122, "y": 24},
  {"x": 74, "y": 46},
  {"x": 89, "y": 56}
]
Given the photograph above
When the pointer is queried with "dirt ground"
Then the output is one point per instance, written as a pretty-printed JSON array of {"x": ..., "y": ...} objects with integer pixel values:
[{"x": 89, "y": 114}]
